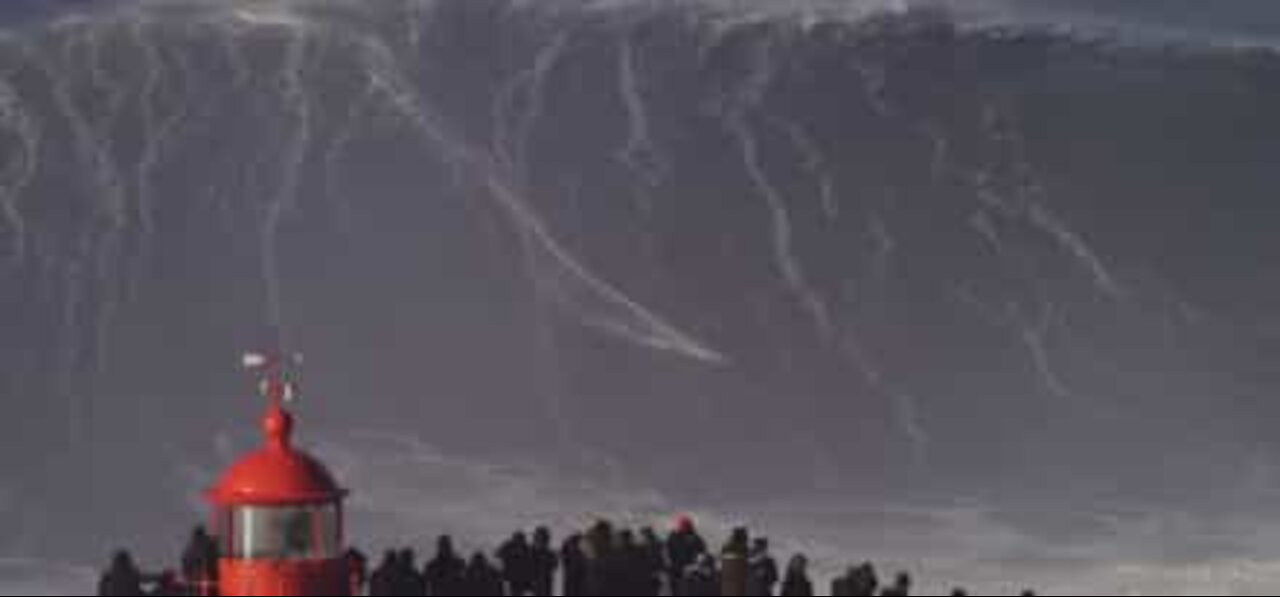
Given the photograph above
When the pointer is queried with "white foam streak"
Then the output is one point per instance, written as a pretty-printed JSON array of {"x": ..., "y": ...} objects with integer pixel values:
[{"x": 596, "y": 299}]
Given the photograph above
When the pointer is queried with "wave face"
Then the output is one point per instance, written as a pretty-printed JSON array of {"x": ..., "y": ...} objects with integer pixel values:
[{"x": 727, "y": 257}]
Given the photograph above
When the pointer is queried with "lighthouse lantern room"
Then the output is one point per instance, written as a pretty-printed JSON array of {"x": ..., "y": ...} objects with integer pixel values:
[{"x": 278, "y": 511}]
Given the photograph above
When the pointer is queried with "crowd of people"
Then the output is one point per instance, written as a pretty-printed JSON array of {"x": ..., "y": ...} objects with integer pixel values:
[{"x": 604, "y": 560}]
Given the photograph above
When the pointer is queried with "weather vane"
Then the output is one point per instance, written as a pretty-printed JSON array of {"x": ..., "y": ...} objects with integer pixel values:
[{"x": 277, "y": 375}]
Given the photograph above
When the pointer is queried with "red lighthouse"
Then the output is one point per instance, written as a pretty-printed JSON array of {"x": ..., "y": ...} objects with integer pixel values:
[{"x": 278, "y": 511}]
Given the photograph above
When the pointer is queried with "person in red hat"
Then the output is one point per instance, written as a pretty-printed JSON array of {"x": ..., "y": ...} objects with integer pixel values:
[{"x": 684, "y": 546}]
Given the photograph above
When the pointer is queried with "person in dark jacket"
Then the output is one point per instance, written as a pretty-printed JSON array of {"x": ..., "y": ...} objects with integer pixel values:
[
  {"x": 544, "y": 563},
  {"x": 866, "y": 581},
  {"x": 857, "y": 581},
  {"x": 762, "y": 570},
  {"x": 601, "y": 559},
  {"x": 385, "y": 581},
  {"x": 615, "y": 574},
  {"x": 357, "y": 570},
  {"x": 797, "y": 583},
  {"x": 122, "y": 579},
  {"x": 655, "y": 563},
  {"x": 200, "y": 559},
  {"x": 684, "y": 547},
  {"x": 445, "y": 573},
  {"x": 574, "y": 564},
  {"x": 842, "y": 586},
  {"x": 734, "y": 571},
  {"x": 483, "y": 580},
  {"x": 633, "y": 566},
  {"x": 409, "y": 582},
  {"x": 516, "y": 557}
]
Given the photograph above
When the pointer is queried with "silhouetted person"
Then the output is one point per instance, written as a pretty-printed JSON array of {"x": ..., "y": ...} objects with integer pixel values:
[
  {"x": 517, "y": 564},
  {"x": 544, "y": 563},
  {"x": 842, "y": 586},
  {"x": 122, "y": 579},
  {"x": 200, "y": 561},
  {"x": 762, "y": 570},
  {"x": 684, "y": 546},
  {"x": 797, "y": 583},
  {"x": 733, "y": 563},
  {"x": 655, "y": 563},
  {"x": 601, "y": 559},
  {"x": 613, "y": 567},
  {"x": 445, "y": 573},
  {"x": 408, "y": 581},
  {"x": 860, "y": 581},
  {"x": 357, "y": 570},
  {"x": 482, "y": 580},
  {"x": 631, "y": 566},
  {"x": 574, "y": 564},
  {"x": 901, "y": 586},
  {"x": 701, "y": 579},
  {"x": 384, "y": 582}
]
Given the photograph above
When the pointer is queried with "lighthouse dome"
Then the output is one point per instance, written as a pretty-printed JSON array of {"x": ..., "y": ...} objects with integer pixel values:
[{"x": 277, "y": 474}]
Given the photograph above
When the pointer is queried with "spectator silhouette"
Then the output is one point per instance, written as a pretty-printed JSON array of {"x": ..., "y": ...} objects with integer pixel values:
[
  {"x": 200, "y": 559},
  {"x": 574, "y": 562},
  {"x": 843, "y": 585},
  {"x": 445, "y": 573},
  {"x": 122, "y": 579},
  {"x": 684, "y": 546},
  {"x": 544, "y": 563},
  {"x": 483, "y": 580},
  {"x": 633, "y": 566},
  {"x": 762, "y": 570},
  {"x": 384, "y": 581},
  {"x": 516, "y": 557},
  {"x": 733, "y": 563},
  {"x": 357, "y": 570},
  {"x": 408, "y": 581},
  {"x": 797, "y": 583},
  {"x": 654, "y": 561},
  {"x": 602, "y": 562},
  {"x": 860, "y": 581}
]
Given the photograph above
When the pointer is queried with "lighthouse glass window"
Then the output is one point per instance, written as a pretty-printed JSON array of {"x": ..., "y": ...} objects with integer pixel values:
[{"x": 284, "y": 532}]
